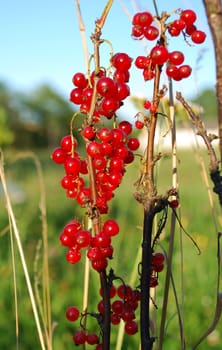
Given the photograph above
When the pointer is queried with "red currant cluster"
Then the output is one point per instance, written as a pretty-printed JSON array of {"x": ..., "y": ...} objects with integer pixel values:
[
  {"x": 110, "y": 150},
  {"x": 110, "y": 91},
  {"x": 75, "y": 237},
  {"x": 157, "y": 261},
  {"x": 159, "y": 54},
  {"x": 123, "y": 307}
]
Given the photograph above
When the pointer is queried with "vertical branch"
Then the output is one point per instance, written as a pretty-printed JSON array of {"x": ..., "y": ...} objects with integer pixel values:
[{"x": 214, "y": 15}]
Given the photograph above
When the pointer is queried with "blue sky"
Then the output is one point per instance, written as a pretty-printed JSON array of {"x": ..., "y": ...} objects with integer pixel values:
[{"x": 41, "y": 43}]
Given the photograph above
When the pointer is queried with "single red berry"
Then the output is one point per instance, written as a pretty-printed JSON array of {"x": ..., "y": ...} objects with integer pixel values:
[
  {"x": 99, "y": 264},
  {"x": 94, "y": 253},
  {"x": 133, "y": 143},
  {"x": 106, "y": 87},
  {"x": 72, "y": 166},
  {"x": 68, "y": 143},
  {"x": 185, "y": 71},
  {"x": 101, "y": 239},
  {"x": 147, "y": 104},
  {"x": 179, "y": 24},
  {"x": 82, "y": 238},
  {"x": 172, "y": 71},
  {"x": 84, "y": 196},
  {"x": 131, "y": 327},
  {"x": 173, "y": 31},
  {"x": 139, "y": 124},
  {"x": 93, "y": 149},
  {"x": 198, "y": 37},
  {"x": 153, "y": 281},
  {"x": 157, "y": 258},
  {"x": 141, "y": 62},
  {"x": 137, "y": 32},
  {"x": 117, "y": 307},
  {"x": 190, "y": 29},
  {"x": 174, "y": 203},
  {"x": 92, "y": 339},
  {"x": 72, "y": 313},
  {"x": 109, "y": 106},
  {"x": 126, "y": 127},
  {"x": 105, "y": 134},
  {"x": 59, "y": 155},
  {"x": 128, "y": 313},
  {"x": 188, "y": 16},
  {"x": 72, "y": 227},
  {"x": 88, "y": 132},
  {"x": 76, "y": 96},
  {"x": 121, "y": 61},
  {"x": 124, "y": 291},
  {"x": 143, "y": 19},
  {"x": 66, "y": 240},
  {"x": 110, "y": 227},
  {"x": 115, "y": 319},
  {"x": 80, "y": 80},
  {"x": 123, "y": 91},
  {"x": 159, "y": 54},
  {"x": 121, "y": 76},
  {"x": 73, "y": 256},
  {"x": 176, "y": 57},
  {"x": 79, "y": 337},
  {"x": 151, "y": 33}
]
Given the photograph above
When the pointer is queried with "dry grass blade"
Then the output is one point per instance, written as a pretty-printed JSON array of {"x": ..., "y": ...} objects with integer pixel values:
[{"x": 21, "y": 253}]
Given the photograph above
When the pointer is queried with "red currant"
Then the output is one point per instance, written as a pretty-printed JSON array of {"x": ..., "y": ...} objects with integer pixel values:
[
  {"x": 72, "y": 313},
  {"x": 198, "y": 37},
  {"x": 159, "y": 54},
  {"x": 188, "y": 16}
]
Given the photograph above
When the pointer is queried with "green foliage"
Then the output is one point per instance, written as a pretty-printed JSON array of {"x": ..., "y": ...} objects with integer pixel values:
[{"x": 66, "y": 280}]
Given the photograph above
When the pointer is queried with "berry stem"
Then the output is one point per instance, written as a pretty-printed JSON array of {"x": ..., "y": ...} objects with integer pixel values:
[{"x": 146, "y": 340}]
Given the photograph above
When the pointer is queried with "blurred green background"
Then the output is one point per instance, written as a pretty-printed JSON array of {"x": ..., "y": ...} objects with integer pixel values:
[{"x": 36, "y": 122}]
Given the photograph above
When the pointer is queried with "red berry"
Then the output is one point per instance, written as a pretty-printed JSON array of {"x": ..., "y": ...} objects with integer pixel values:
[
  {"x": 143, "y": 19},
  {"x": 92, "y": 338},
  {"x": 185, "y": 71},
  {"x": 76, "y": 96},
  {"x": 139, "y": 124},
  {"x": 131, "y": 327},
  {"x": 93, "y": 149},
  {"x": 176, "y": 57},
  {"x": 79, "y": 80},
  {"x": 190, "y": 29},
  {"x": 137, "y": 32},
  {"x": 101, "y": 239},
  {"x": 82, "y": 238},
  {"x": 151, "y": 32},
  {"x": 123, "y": 91},
  {"x": 173, "y": 31},
  {"x": 117, "y": 306},
  {"x": 198, "y": 36},
  {"x": 133, "y": 144},
  {"x": 106, "y": 87},
  {"x": 172, "y": 71},
  {"x": 88, "y": 132},
  {"x": 159, "y": 55},
  {"x": 59, "y": 155},
  {"x": 110, "y": 227},
  {"x": 72, "y": 313},
  {"x": 188, "y": 16},
  {"x": 84, "y": 197},
  {"x": 79, "y": 337},
  {"x": 157, "y": 258},
  {"x": 126, "y": 127},
  {"x": 121, "y": 61},
  {"x": 73, "y": 256},
  {"x": 179, "y": 24},
  {"x": 72, "y": 166},
  {"x": 99, "y": 264},
  {"x": 105, "y": 134},
  {"x": 109, "y": 105},
  {"x": 141, "y": 62},
  {"x": 71, "y": 228},
  {"x": 68, "y": 143}
]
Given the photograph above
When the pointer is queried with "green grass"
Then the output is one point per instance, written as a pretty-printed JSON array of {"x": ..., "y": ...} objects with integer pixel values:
[{"x": 199, "y": 281}]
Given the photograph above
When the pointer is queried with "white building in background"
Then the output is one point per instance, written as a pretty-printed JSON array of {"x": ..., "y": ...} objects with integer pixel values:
[{"x": 185, "y": 138}]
